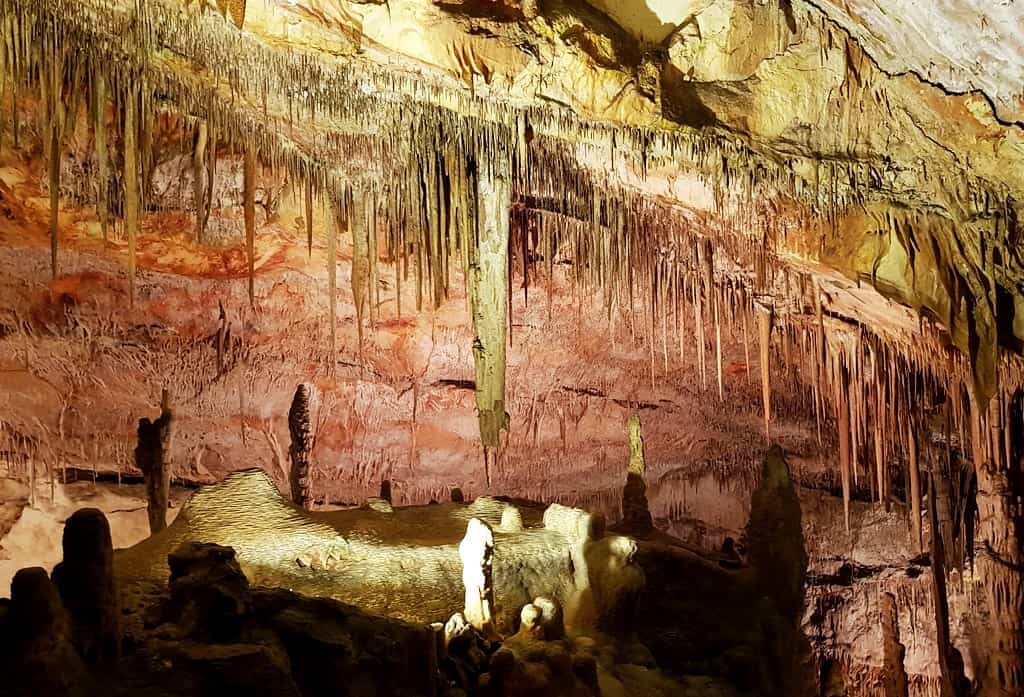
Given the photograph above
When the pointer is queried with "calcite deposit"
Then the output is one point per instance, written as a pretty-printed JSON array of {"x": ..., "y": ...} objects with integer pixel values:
[{"x": 425, "y": 266}]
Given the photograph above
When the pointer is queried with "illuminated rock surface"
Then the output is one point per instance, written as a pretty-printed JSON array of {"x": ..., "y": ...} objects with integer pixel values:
[{"x": 488, "y": 235}]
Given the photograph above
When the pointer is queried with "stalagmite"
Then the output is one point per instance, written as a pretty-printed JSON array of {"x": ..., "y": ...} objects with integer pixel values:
[
  {"x": 131, "y": 185},
  {"x": 85, "y": 580},
  {"x": 153, "y": 458},
  {"x": 488, "y": 288},
  {"x": 894, "y": 672},
  {"x": 636, "y": 513},
  {"x": 940, "y": 601},
  {"x": 476, "y": 551},
  {"x": 301, "y": 428},
  {"x": 764, "y": 326},
  {"x": 249, "y": 205}
]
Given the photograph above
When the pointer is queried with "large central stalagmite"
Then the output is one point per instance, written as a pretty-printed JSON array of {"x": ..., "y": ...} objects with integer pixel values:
[{"x": 488, "y": 291}]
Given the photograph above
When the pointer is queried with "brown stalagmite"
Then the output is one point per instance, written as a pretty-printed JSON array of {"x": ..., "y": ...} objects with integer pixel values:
[
  {"x": 153, "y": 458},
  {"x": 843, "y": 425},
  {"x": 940, "y": 601},
  {"x": 764, "y": 326},
  {"x": 131, "y": 185},
  {"x": 894, "y": 672},
  {"x": 249, "y": 206},
  {"x": 915, "y": 485},
  {"x": 301, "y": 428}
]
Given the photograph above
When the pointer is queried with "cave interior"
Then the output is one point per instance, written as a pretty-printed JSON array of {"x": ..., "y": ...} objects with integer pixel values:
[{"x": 458, "y": 348}]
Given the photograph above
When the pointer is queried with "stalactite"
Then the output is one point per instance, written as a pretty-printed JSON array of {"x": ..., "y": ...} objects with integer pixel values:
[
  {"x": 718, "y": 352},
  {"x": 198, "y": 169},
  {"x": 764, "y": 325},
  {"x": 372, "y": 257},
  {"x": 489, "y": 203},
  {"x": 358, "y": 222},
  {"x": 100, "y": 140},
  {"x": 131, "y": 185},
  {"x": 842, "y": 403},
  {"x": 53, "y": 158},
  {"x": 914, "y": 492},
  {"x": 308, "y": 210},
  {"x": 333, "y": 226},
  {"x": 211, "y": 172},
  {"x": 249, "y": 206}
]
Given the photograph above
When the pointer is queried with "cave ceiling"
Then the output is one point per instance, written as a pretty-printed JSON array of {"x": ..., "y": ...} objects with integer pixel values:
[{"x": 875, "y": 142}]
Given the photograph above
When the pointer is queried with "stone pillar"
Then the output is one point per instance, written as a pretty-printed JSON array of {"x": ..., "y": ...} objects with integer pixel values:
[
  {"x": 153, "y": 458},
  {"x": 85, "y": 580},
  {"x": 895, "y": 682},
  {"x": 636, "y": 514},
  {"x": 300, "y": 425},
  {"x": 999, "y": 559},
  {"x": 488, "y": 293},
  {"x": 476, "y": 552}
]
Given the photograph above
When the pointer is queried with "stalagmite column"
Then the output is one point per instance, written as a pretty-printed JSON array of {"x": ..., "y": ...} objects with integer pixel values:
[
  {"x": 999, "y": 559},
  {"x": 153, "y": 458},
  {"x": 636, "y": 512},
  {"x": 85, "y": 580},
  {"x": 488, "y": 289},
  {"x": 300, "y": 425},
  {"x": 895, "y": 683},
  {"x": 476, "y": 552},
  {"x": 764, "y": 325}
]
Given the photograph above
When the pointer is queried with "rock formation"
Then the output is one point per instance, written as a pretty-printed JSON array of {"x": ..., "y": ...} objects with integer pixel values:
[
  {"x": 476, "y": 551},
  {"x": 153, "y": 458},
  {"x": 636, "y": 513},
  {"x": 895, "y": 681},
  {"x": 85, "y": 580},
  {"x": 302, "y": 430}
]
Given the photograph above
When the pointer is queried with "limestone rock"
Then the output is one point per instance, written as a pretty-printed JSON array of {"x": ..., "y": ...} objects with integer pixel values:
[
  {"x": 476, "y": 551},
  {"x": 85, "y": 580},
  {"x": 511, "y": 520},
  {"x": 36, "y": 653},
  {"x": 574, "y": 523},
  {"x": 209, "y": 594}
]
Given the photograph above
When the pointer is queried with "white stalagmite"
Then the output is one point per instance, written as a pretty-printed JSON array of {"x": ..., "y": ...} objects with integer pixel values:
[{"x": 476, "y": 552}]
